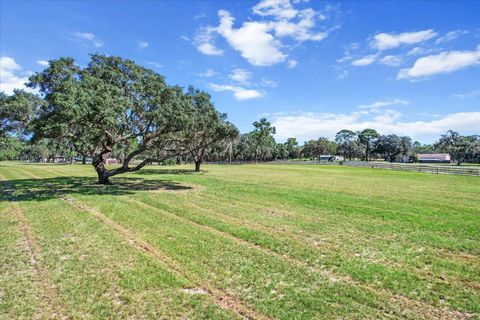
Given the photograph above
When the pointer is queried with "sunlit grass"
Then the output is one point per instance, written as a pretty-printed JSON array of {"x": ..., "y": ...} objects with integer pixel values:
[{"x": 291, "y": 241}]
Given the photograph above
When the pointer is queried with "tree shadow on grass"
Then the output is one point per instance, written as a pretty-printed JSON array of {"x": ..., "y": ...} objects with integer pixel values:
[
  {"x": 165, "y": 171},
  {"x": 45, "y": 189}
]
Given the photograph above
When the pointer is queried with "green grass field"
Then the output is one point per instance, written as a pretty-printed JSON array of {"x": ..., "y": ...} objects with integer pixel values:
[{"x": 250, "y": 241}]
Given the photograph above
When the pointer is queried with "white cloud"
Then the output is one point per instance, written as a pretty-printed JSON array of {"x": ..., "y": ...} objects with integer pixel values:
[
  {"x": 209, "y": 49},
  {"x": 200, "y": 15},
  {"x": 450, "y": 36},
  {"x": 444, "y": 62},
  {"x": 390, "y": 60},
  {"x": 292, "y": 63},
  {"x": 269, "y": 83},
  {"x": 143, "y": 44},
  {"x": 185, "y": 38},
  {"x": 467, "y": 95},
  {"x": 252, "y": 40},
  {"x": 279, "y": 9},
  {"x": 240, "y": 75},
  {"x": 260, "y": 42},
  {"x": 154, "y": 64},
  {"x": 301, "y": 29},
  {"x": 204, "y": 41},
  {"x": 88, "y": 37},
  {"x": 239, "y": 93},
  {"x": 207, "y": 74},
  {"x": 384, "y": 41},
  {"x": 384, "y": 103},
  {"x": 418, "y": 51},
  {"x": 43, "y": 63},
  {"x": 11, "y": 76},
  {"x": 313, "y": 125},
  {"x": 365, "y": 61}
]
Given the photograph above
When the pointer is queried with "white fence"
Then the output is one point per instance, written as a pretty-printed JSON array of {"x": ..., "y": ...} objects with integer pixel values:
[
  {"x": 428, "y": 168},
  {"x": 465, "y": 171}
]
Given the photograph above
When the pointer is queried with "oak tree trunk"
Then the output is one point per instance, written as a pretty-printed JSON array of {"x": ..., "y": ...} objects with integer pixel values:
[{"x": 103, "y": 176}]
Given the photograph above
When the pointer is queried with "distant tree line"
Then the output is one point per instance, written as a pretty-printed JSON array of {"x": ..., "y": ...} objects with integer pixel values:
[
  {"x": 368, "y": 144},
  {"x": 115, "y": 108}
]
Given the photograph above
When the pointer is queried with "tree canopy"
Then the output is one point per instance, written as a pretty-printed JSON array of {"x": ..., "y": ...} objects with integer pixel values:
[{"x": 110, "y": 103}]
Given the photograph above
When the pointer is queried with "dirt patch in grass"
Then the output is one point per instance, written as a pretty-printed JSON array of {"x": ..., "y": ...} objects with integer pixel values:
[
  {"x": 179, "y": 188},
  {"x": 274, "y": 212}
]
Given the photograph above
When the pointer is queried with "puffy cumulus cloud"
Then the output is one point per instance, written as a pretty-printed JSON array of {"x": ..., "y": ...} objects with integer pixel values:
[
  {"x": 43, "y": 63},
  {"x": 260, "y": 42},
  {"x": 306, "y": 126},
  {"x": 204, "y": 41},
  {"x": 11, "y": 76},
  {"x": 240, "y": 75},
  {"x": 89, "y": 38},
  {"x": 240, "y": 93},
  {"x": 252, "y": 40},
  {"x": 444, "y": 62},
  {"x": 384, "y": 41},
  {"x": 279, "y": 9},
  {"x": 209, "y": 49}
]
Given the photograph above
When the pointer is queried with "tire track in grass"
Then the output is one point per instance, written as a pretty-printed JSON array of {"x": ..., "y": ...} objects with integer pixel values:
[
  {"x": 424, "y": 275},
  {"x": 221, "y": 298},
  {"x": 419, "y": 307},
  {"x": 42, "y": 274}
]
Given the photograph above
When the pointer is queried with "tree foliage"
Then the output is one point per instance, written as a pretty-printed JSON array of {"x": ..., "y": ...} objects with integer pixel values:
[{"x": 110, "y": 102}]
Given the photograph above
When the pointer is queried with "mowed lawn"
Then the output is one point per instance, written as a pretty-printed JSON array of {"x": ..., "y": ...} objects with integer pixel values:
[{"x": 230, "y": 242}]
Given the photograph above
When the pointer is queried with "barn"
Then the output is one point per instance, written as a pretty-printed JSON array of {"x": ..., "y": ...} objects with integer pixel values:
[{"x": 434, "y": 157}]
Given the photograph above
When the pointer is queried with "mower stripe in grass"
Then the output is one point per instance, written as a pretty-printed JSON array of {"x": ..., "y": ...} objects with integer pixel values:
[
  {"x": 43, "y": 276},
  {"x": 420, "y": 307},
  {"x": 221, "y": 298}
]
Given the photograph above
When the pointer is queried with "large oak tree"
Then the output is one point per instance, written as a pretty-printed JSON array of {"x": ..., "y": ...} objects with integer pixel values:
[{"x": 111, "y": 102}]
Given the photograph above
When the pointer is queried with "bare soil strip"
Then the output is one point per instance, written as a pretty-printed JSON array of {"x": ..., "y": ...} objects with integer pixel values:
[
  {"x": 419, "y": 308},
  {"x": 42, "y": 274},
  {"x": 222, "y": 299}
]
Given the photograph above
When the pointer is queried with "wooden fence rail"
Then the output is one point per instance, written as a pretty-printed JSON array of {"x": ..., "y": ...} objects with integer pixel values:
[
  {"x": 465, "y": 171},
  {"x": 427, "y": 168}
]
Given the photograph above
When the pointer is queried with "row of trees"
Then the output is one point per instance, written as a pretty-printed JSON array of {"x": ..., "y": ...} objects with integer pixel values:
[
  {"x": 260, "y": 145},
  {"x": 114, "y": 107}
]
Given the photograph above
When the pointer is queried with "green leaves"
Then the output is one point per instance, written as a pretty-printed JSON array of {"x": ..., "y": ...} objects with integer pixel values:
[{"x": 16, "y": 112}]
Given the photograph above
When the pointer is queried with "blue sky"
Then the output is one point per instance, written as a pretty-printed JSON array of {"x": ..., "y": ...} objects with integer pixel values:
[{"x": 312, "y": 68}]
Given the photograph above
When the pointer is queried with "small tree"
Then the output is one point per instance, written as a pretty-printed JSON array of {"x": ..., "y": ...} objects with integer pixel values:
[
  {"x": 347, "y": 144},
  {"x": 206, "y": 127},
  {"x": 367, "y": 138},
  {"x": 460, "y": 147},
  {"x": 292, "y": 148},
  {"x": 262, "y": 135}
]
